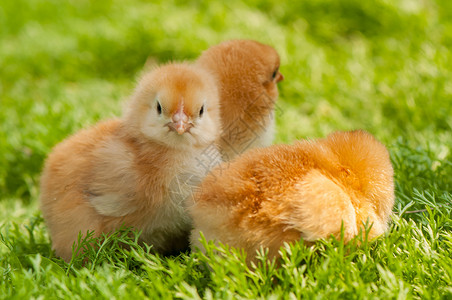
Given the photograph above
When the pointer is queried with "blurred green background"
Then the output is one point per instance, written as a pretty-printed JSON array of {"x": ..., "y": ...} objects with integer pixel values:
[
  {"x": 384, "y": 66},
  {"x": 380, "y": 65}
]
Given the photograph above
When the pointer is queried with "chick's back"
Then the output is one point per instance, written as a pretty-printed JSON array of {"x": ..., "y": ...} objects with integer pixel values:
[
  {"x": 307, "y": 190},
  {"x": 63, "y": 182}
]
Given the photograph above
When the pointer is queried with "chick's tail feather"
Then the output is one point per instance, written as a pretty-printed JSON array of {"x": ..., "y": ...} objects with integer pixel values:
[
  {"x": 320, "y": 208},
  {"x": 370, "y": 168},
  {"x": 358, "y": 191}
]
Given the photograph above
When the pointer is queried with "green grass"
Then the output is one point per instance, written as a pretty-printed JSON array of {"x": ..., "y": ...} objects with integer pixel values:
[{"x": 383, "y": 66}]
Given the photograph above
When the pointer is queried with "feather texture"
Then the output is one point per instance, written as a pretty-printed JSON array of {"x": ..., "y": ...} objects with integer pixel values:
[
  {"x": 247, "y": 72},
  {"x": 133, "y": 171},
  {"x": 307, "y": 190}
]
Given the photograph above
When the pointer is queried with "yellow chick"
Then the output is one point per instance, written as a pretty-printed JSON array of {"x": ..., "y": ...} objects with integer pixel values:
[
  {"x": 247, "y": 72},
  {"x": 287, "y": 192},
  {"x": 137, "y": 171}
]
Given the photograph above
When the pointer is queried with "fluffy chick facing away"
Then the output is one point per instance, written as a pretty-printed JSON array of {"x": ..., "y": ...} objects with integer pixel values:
[
  {"x": 137, "y": 171},
  {"x": 247, "y": 72},
  {"x": 307, "y": 190}
]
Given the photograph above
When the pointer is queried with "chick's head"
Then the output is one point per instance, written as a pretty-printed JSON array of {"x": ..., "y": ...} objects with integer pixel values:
[
  {"x": 176, "y": 105},
  {"x": 248, "y": 72}
]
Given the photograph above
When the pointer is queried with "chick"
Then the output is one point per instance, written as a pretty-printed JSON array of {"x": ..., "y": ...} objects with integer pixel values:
[
  {"x": 137, "y": 171},
  {"x": 248, "y": 73},
  {"x": 287, "y": 192}
]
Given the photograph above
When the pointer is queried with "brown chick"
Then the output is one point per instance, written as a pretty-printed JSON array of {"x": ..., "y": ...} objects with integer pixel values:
[
  {"x": 139, "y": 170},
  {"x": 287, "y": 192},
  {"x": 248, "y": 73}
]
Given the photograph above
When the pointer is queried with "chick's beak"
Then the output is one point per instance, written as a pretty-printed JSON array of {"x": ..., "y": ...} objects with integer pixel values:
[
  {"x": 180, "y": 122},
  {"x": 279, "y": 77}
]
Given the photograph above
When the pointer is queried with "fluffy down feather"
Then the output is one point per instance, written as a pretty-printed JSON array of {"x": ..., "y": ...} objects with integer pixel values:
[
  {"x": 287, "y": 192},
  {"x": 137, "y": 171}
]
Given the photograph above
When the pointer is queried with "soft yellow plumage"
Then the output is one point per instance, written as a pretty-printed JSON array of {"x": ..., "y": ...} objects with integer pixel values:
[
  {"x": 134, "y": 170},
  {"x": 247, "y": 73},
  {"x": 307, "y": 190}
]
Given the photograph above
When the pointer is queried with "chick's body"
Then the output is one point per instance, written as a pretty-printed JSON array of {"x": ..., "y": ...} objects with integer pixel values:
[
  {"x": 248, "y": 73},
  {"x": 137, "y": 171},
  {"x": 307, "y": 190}
]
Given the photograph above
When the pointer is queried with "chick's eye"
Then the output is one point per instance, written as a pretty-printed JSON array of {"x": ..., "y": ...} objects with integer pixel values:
[
  {"x": 275, "y": 73},
  {"x": 201, "y": 111},
  {"x": 159, "y": 108}
]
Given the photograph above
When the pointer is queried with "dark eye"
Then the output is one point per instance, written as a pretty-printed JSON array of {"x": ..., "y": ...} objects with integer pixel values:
[
  {"x": 201, "y": 111},
  {"x": 159, "y": 108},
  {"x": 275, "y": 73}
]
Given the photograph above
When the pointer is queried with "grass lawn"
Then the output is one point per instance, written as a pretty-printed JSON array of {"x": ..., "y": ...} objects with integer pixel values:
[{"x": 383, "y": 66}]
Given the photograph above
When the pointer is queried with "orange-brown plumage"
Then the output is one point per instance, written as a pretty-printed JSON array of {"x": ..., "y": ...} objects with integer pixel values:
[
  {"x": 286, "y": 192},
  {"x": 248, "y": 73},
  {"x": 139, "y": 170}
]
